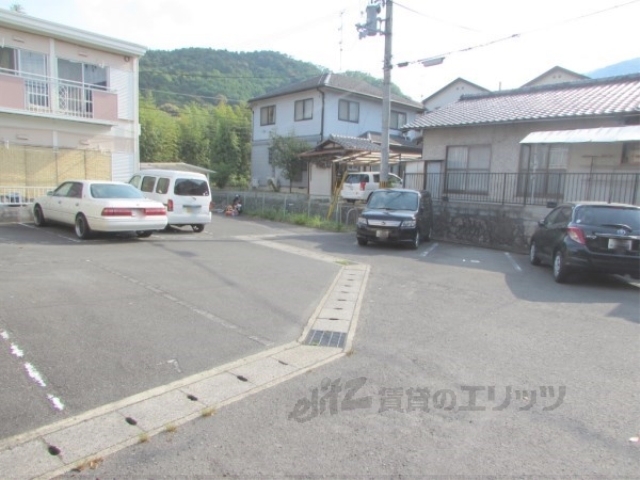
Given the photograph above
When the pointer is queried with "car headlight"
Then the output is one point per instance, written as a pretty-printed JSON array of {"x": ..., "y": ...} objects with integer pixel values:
[
  {"x": 408, "y": 224},
  {"x": 362, "y": 221}
]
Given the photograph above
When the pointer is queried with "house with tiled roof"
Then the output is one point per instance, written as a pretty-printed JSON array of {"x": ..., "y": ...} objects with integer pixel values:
[
  {"x": 532, "y": 142},
  {"x": 313, "y": 110},
  {"x": 555, "y": 75},
  {"x": 450, "y": 93}
]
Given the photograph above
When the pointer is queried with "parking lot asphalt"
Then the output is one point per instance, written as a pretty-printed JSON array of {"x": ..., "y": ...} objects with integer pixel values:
[{"x": 106, "y": 320}]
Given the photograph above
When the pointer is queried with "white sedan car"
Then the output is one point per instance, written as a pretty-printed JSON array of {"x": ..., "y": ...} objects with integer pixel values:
[{"x": 100, "y": 206}]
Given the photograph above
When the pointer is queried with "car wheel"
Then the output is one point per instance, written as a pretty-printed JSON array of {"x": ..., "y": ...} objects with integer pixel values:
[
  {"x": 416, "y": 240},
  {"x": 198, "y": 227},
  {"x": 560, "y": 269},
  {"x": 38, "y": 216},
  {"x": 82, "y": 227},
  {"x": 533, "y": 254},
  {"x": 362, "y": 242},
  {"x": 144, "y": 233}
]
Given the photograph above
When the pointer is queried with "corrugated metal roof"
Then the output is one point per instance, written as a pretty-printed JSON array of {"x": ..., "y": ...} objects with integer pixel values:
[
  {"x": 579, "y": 99},
  {"x": 586, "y": 135}
]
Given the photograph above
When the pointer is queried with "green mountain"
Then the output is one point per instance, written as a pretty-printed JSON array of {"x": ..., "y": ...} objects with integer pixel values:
[{"x": 204, "y": 75}]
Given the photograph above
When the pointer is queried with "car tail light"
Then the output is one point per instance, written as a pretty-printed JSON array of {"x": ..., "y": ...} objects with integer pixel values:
[
  {"x": 117, "y": 212},
  {"x": 170, "y": 206},
  {"x": 577, "y": 235},
  {"x": 155, "y": 211}
]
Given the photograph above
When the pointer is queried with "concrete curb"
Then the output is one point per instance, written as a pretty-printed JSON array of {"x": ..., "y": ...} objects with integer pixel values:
[{"x": 17, "y": 214}]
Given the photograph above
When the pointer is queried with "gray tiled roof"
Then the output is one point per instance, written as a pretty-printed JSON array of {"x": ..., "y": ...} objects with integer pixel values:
[
  {"x": 354, "y": 143},
  {"x": 336, "y": 82},
  {"x": 582, "y": 98}
]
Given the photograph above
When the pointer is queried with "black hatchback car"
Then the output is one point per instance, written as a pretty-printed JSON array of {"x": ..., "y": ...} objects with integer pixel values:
[
  {"x": 589, "y": 236},
  {"x": 396, "y": 215}
]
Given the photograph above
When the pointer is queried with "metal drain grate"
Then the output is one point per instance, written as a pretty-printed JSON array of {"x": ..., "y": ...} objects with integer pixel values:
[{"x": 324, "y": 338}]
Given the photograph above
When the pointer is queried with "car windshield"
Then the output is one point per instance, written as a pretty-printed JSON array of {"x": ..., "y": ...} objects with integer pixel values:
[
  {"x": 110, "y": 190},
  {"x": 608, "y": 215},
  {"x": 390, "y": 200}
]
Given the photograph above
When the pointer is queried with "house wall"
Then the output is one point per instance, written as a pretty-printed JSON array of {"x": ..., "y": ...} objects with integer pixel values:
[
  {"x": 450, "y": 95},
  {"x": 555, "y": 77},
  {"x": 506, "y": 147},
  {"x": 313, "y": 130}
]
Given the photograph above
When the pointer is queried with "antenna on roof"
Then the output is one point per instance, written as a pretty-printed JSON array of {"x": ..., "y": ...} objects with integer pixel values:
[{"x": 341, "y": 29}]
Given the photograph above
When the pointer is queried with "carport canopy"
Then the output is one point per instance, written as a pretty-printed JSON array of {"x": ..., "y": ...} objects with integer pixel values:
[{"x": 629, "y": 133}]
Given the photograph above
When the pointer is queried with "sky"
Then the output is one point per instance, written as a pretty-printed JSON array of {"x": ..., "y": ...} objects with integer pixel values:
[{"x": 497, "y": 44}]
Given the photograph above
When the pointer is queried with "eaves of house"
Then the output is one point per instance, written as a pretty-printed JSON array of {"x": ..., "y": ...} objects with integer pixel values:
[
  {"x": 37, "y": 26},
  {"x": 340, "y": 84},
  {"x": 591, "y": 98}
]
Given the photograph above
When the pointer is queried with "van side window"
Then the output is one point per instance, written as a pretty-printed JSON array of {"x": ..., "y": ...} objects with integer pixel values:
[
  {"x": 376, "y": 178},
  {"x": 147, "y": 184},
  {"x": 163, "y": 185}
]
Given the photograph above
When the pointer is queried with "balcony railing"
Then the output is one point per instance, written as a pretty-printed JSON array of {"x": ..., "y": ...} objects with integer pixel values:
[
  {"x": 528, "y": 188},
  {"x": 40, "y": 94}
]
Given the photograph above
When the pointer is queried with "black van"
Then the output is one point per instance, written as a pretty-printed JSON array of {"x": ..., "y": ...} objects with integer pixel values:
[{"x": 396, "y": 215}]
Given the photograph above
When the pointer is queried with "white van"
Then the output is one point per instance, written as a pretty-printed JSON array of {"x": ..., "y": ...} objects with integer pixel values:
[
  {"x": 185, "y": 194},
  {"x": 359, "y": 185}
]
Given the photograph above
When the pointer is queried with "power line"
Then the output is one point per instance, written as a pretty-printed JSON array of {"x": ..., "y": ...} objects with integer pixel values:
[
  {"x": 457, "y": 25},
  {"x": 517, "y": 35}
]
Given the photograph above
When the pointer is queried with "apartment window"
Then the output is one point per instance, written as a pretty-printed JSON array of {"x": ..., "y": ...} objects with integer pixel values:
[
  {"x": 8, "y": 60},
  {"x": 349, "y": 111},
  {"x": 32, "y": 66},
  {"x": 304, "y": 109},
  {"x": 268, "y": 115},
  {"x": 468, "y": 169},
  {"x": 542, "y": 169},
  {"x": 78, "y": 80},
  {"x": 397, "y": 120}
]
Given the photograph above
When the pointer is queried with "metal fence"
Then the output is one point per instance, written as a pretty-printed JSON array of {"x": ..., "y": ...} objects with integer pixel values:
[{"x": 528, "y": 188}]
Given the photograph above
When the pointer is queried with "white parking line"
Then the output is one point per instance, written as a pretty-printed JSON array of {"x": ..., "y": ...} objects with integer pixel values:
[
  {"x": 429, "y": 250},
  {"x": 513, "y": 262},
  {"x": 31, "y": 370},
  {"x": 33, "y": 227}
]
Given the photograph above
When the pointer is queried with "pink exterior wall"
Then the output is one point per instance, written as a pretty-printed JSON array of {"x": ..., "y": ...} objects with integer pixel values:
[
  {"x": 11, "y": 92},
  {"x": 105, "y": 105}
]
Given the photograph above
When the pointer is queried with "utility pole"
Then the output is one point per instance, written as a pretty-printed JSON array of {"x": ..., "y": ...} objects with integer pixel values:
[
  {"x": 386, "y": 97},
  {"x": 370, "y": 28}
]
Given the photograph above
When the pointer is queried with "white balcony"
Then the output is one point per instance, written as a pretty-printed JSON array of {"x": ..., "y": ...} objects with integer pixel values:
[{"x": 56, "y": 97}]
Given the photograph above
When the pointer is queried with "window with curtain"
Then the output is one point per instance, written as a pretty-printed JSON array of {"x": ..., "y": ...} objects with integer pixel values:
[
  {"x": 468, "y": 169},
  {"x": 397, "y": 120},
  {"x": 304, "y": 109},
  {"x": 542, "y": 169},
  {"x": 349, "y": 111}
]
